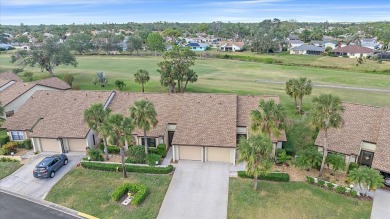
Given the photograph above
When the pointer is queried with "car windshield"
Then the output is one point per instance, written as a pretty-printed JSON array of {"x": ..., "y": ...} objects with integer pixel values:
[{"x": 45, "y": 162}]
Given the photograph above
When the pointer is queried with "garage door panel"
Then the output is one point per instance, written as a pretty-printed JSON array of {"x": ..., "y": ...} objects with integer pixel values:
[
  {"x": 50, "y": 145},
  {"x": 190, "y": 153},
  {"x": 77, "y": 144},
  {"x": 218, "y": 154}
]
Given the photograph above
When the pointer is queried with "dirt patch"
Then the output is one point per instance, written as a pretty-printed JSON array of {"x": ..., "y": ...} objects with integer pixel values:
[
  {"x": 115, "y": 158},
  {"x": 21, "y": 152}
]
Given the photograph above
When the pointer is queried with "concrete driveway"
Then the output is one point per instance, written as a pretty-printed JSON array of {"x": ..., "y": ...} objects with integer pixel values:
[
  {"x": 380, "y": 207},
  {"x": 197, "y": 190},
  {"x": 23, "y": 182}
]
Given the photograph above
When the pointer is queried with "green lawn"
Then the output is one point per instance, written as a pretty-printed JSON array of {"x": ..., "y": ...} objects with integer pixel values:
[
  {"x": 8, "y": 167},
  {"x": 224, "y": 76},
  {"x": 90, "y": 191},
  {"x": 291, "y": 200}
]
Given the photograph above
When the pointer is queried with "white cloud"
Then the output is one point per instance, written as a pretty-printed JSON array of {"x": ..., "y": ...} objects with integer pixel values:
[{"x": 63, "y": 2}]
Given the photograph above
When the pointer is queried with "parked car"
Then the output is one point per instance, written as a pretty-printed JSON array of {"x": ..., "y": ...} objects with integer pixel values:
[{"x": 49, "y": 165}]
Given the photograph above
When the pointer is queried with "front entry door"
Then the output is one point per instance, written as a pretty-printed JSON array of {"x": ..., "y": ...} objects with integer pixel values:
[
  {"x": 170, "y": 137},
  {"x": 366, "y": 158}
]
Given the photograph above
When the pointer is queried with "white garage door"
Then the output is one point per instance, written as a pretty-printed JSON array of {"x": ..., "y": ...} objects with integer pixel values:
[
  {"x": 218, "y": 154},
  {"x": 77, "y": 144},
  {"x": 190, "y": 153},
  {"x": 50, "y": 145}
]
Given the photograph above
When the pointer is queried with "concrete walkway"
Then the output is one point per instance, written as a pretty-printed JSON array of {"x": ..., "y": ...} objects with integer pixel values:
[
  {"x": 381, "y": 205},
  {"x": 23, "y": 182},
  {"x": 197, "y": 190},
  {"x": 168, "y": 158}
]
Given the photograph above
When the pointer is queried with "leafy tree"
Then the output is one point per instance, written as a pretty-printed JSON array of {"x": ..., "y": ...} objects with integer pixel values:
[
  {"x": 80, "y": 42},
  {"x": 326, "y": 113},
  {"x": 134, "y": 42},
  {"x": 189, "y": 76},
  {"x": 174, "y": 34},
  {"x": 256, "y": 152},
  {"x": 303, "y": 87},
  {"x": 155, "y": 42},
  {"x": 22, "y": 39},
  {"x": 167, "y": 75},
  {"x": 96, "y": 116},
  {"x": 269, "y": 118},
  {"x": 305, "y": 35},
  {"x": 308, "y": 158},
  {"x": 367, "y": 177},
  {"x": 100, "y": 79},
  {"x": 29, "y": 75},
  {"x": 48, "y": 56},
  {"x": 120, "y": 128},
  {"x": 120, "y": 84},
  {"x": 142, "y": 77},
  {"x": 107, "y": 42},
  {"x": 69, "y": 78},
  {"x": 144, "y": 116},
  {"x": 336, "y": 161}
]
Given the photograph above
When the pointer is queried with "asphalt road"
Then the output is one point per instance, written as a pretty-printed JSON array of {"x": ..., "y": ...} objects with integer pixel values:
[{"x": 15, "y": 208}]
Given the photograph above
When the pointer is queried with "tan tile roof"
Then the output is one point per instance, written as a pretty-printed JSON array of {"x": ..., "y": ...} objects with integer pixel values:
[
  {"x": 53, "y": 82},
  {"x": 10, "y": 76},
  {"x": 353, "y": 49},
  {"x": 4, "y": 82},
  {"x": 362, "y": 123},
  {"x": 62, "y": 113}
]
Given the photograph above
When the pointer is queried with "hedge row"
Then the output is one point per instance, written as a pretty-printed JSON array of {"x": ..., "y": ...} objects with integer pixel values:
[
  {"x": 277, "y": 177},
  {"x": 267, "y": 60},
  {"x": 112, "y": 149},
  {"x": 129, "y": 168},
  {"x": 140, "y": 192}
]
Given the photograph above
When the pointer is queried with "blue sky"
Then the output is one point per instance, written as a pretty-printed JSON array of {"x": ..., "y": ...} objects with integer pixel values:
[{"x": 123, "y": 11}]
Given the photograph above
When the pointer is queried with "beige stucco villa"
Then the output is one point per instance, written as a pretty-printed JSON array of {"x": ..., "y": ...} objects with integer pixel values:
[
  {"x": 364, "y": 138},
  {"x": 202, "y": 127}
]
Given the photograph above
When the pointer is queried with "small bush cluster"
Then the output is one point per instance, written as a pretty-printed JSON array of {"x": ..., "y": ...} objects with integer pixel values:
[
  {"x": 136, "y": 154},
  {"x": 7, "y": 159},
  {"x": 160, "y": 149},
  {"x": 152, "y": 159},
  {"x": 338, "y": 189},
  {"x": 277, "y": 177},
  {"x": 140, "y": 192},
  {"x": 112, "y": 149},
  {"x": 27, "y": 144},
  {"x": 321, "y": 183},
  {"x": 352, "y": 166},
  {"x": 11, "y": 146},
  {"x": 4, "y": 139},
  {"x": 129, "y": 168},
  {"x": 341, "y": 189},
  {"x": 95, "y": 155},
  {"x": 330, "y": 185}
]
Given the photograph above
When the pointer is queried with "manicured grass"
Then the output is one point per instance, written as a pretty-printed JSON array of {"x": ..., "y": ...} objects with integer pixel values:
[
  {"x": 224, "y": 76},
  {"x": 291, "y": 200},
  {"x": 8, "y": 167},
  {"x": 90, "y": 191}
]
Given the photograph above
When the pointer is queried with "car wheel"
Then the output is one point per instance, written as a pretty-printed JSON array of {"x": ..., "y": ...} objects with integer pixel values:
[
  {"x": 52, "y": 174},
  {"x": 66, "y": 162}
]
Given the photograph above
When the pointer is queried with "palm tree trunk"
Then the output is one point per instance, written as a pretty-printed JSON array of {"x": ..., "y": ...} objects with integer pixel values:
[
  {"x": 155, "y": 52},
  {"x": 325, "y": 152},
  {"x": 295, "y": 104},
  {"x": 300, "y": 108},
  {"x": 122, "y": 150},
  {"x": 255, "y": 183},
  {"x": 105, "y": 148},
  {"x": 145, "y": 143},
  {"x": 171, "y": 88},
  {"x": 143, "y": 89}
]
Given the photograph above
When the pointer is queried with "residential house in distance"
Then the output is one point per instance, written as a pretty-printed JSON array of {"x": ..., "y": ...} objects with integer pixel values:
[
  {"x": 370, "y": 43},
  {"x": 323, "y": 44},
  {"x": 294, "y": 43},
  {"x": 183, "y": 122},
  {"x": 198, "y": 46},
  {"x": 364, "y": 138},
  {"x": 293, "y": 37},
  {"x": 307, "y": 50},
  {"x": 14, "y": 92},
  {"x": 231, "y": 46},
  {"x": 353, "y": 51},
  {"x": 332, "y": 45}
]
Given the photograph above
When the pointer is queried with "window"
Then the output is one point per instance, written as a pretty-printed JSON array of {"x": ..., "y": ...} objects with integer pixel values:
[
  {"x": 193, "y": 47},
  {"x": 151, "y": 142},
  {"x": 17, "y": 136}
]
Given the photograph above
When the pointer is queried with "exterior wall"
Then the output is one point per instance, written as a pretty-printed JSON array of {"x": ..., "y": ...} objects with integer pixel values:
[
  {"x": 236, "y": 48},
  {"x": 89, "y": 139},
  {"x": 77, "y": 144},
  {"x": 333, "y": 46},
  {"x": 279, "y": 145},
  {"x": 368, "y": 146},
  {"x": 357, "y": 55},
  {"x": 18, "y": 102}
]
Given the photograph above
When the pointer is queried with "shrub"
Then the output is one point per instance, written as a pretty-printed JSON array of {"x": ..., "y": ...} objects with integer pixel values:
[
  {"x": 7, "y": 159},
  {"x": 27, "y": 144},
  {"x": 28, "y": 75},
  {"x": 136, "y": 154},
  {"x": 69, "y": 78},
  {"x": 330, "y": 185},
  {"x": 129, "y": 168},
  {"x": 152, "y": 159},
  {"x": 10, "y": 147},
  {"x": 277, "y": 177},
  {"x": 279, "y": 151},
  {"x": 111, "y": 149},
  {"x": 95, "y": 154},
  {"x": 353, "y": 193},
  {"x": 352, "y": 166},
  {"x": 340, "y": 189},
  {"x": 140, "y": 191},
  {"x": 120, "y": 84},
  {"x": 336, "y": 161},
  {"x": 162, "y": 150},
  {"x": 17, "y": 70},
  {"x": 75, "y": 87},
  {"x": 310, "y": 179},
  {"x": 308, "y": 158},
  {"x": 4, "y": 139},
  {"x": 321, "y": 183}
]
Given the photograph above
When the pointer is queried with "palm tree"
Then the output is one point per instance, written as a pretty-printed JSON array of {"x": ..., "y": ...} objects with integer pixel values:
[
  {"x": 95, "y": 117},
  {"x": 269, "y": 118},
  {"x": 366, "y": 176},
  {"x": 303, "y": 87},
  {"x": 256, "y": 153},
  {"x": 326, "y": 113},
  {"x": 292, "y": 91},
  {"x": 120, "y": 128},
  {"x": 144, "y": 116},
  {"x": 141, "y": 77}
]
